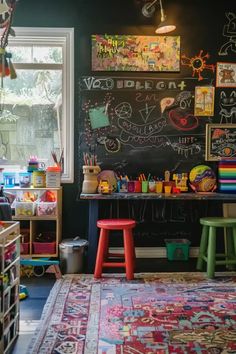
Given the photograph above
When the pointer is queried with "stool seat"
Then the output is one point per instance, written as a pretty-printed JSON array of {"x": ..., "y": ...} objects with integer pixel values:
[
  {"x": 207, "y": 250},
  {"x": 218, "y": 221},
  {"x": 104, "y": 256},
  {"x": 116, "y": 224}
]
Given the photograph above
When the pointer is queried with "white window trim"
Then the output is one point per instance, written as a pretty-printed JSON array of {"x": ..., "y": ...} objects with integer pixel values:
[{"x": 66, "y": 37}]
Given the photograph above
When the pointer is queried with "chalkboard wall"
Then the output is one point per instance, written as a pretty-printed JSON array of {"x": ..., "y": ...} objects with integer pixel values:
[
  {"x": 135, "y": 135},
  {"x": 200, "y": 25},
  {"x": 142, "y": 124}
]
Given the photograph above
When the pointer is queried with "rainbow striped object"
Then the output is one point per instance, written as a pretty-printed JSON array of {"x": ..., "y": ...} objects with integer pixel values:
[{"x": 227, "y": 176}]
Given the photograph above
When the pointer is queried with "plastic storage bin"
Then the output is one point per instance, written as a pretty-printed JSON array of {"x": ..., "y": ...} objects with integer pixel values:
[
  {"x": 24, "y": 208},
  {"x": 9, "y": 179},
  {"x": 177, "y": 249},
  {"x": 44, "y": 247},
  {"x": 46, "y": 208}
]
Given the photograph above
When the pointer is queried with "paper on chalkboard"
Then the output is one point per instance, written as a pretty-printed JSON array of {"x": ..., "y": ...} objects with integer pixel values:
[{"x": 98, "y": 117}]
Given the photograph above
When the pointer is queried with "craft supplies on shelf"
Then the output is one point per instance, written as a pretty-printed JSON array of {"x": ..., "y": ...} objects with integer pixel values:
[
  {"x": 39, "y": 179},
  {"x": 53, "y": 176},
  {"x": 90, "y": 182}
]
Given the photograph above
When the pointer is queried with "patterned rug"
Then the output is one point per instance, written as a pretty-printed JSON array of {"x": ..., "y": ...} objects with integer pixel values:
[{"x": 156, "y": 313}]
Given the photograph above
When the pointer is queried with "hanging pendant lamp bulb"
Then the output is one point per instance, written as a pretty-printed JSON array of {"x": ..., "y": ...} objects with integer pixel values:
[{"x": 148, "y": 11}]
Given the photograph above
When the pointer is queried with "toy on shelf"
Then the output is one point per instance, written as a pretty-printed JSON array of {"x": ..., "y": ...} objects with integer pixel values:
[
  {"x": 181, "y": 181},
  {"x": 110, "y": 177},
  {"x": 104, "y": 187},
  {"x": 202, "y": 179}
]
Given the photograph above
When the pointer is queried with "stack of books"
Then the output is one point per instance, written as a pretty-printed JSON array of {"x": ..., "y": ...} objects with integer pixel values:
[{"x": 227, "y": 176}]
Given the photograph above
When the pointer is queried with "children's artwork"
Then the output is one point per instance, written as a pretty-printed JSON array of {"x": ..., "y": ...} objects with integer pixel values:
[
  {"x": 226, "y": 75},
  {"x": 204, "y": 101},
  {"x": 135, "y": 53},
  {"x": 98, "y": 117},
  {"x": 229, "y": 32},
  {"x": 220, "y": 141}
]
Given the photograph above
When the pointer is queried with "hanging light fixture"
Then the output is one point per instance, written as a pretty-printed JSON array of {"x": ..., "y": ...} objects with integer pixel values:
[{"x": 164, "y": 26}]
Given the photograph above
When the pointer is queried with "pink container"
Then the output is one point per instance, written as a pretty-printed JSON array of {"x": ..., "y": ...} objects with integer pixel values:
[
  {"x": 44, "y": 247},
  {"x": 24, "y": 248},
  {"x": 131, "y": 186}
]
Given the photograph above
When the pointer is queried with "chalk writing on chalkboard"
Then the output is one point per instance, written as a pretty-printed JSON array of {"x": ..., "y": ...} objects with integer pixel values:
[
  {"x": 220, "y": 141},
  {"x": 137, "y": 120}
]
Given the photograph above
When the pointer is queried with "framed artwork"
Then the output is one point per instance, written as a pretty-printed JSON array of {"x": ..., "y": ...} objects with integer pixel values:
[
  {"x": 220, "y": 141},
  {"x": 225, "y": 74},
  {"x": 204, "y": 101},
  {"x": 135, "y": 53}
]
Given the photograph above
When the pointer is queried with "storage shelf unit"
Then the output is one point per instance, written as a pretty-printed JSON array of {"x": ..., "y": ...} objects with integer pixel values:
[
  {"x": 9, "y": 284},
  {"x": 34, "y": 225}
]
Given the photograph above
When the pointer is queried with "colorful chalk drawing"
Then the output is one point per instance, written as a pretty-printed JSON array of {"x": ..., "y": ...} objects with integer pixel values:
[
  {"x": 227, "y": 107},
  {"x": 198, "y": 64},
  {"x": 135, "y": 53},
  {"x": 144, "y": 114},
  {"x": 229, "y": 32}
]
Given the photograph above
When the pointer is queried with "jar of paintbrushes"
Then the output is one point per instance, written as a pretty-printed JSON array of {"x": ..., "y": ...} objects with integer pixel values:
[{"x": 90, "y": 171}]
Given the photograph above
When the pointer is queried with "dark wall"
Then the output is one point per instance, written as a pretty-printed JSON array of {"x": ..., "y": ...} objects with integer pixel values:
[{"x": 199, "y": 23}]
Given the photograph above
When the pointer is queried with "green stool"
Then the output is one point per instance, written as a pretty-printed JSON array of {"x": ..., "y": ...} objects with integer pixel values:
[{"x": 207, "y": 251}]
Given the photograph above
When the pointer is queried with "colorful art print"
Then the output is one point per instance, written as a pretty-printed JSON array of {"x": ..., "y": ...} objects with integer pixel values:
[
  {"x": 135, "y": 53},
  {"x": 220, "y": 141},
  {"x": 204, "y": 101},
  {"x": 226, "y": 75}
]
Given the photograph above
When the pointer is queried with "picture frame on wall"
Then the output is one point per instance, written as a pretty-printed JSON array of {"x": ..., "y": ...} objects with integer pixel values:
[
  {"x": 135, "y": 53},
  {"x": 220, "y": 142},
  {"x": 225, "y": 74},
  {"x": 204, "y": 101}
]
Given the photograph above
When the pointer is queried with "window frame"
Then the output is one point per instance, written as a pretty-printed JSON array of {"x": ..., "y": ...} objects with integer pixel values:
[{"x": 64, "y": 37}]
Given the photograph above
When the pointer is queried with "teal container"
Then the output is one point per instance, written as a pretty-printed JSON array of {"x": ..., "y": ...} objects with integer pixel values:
[
  {"x": 9, "y": 179},
  {"x": 177, "y": 249}
]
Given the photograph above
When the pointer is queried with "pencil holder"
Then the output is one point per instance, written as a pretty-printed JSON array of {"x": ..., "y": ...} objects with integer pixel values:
[
  {"x": 144, "y": 186},
  {"x": 152, "y": 186},
  {"x": 131, "y": 186},
  {"x": 122, "y": 186},
  {"x": 90, "y": 182},
  {"x": 137, "y": 186},
  {"x": 159, "y": 186}
]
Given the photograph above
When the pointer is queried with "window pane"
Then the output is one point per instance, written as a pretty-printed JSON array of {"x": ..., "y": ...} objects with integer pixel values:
[
  {"x": 36, "y": 54},
  {"x": 31, "y": 120}
]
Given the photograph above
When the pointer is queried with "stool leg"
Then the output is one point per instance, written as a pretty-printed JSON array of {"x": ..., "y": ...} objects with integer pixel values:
[
  {"x": 203, "y": 247},
  {"x": 211, "y": 252},
  {"x": 102, "y": 244},
  {"x": 234, "y": 238},
  {"x": 229, "y": 247},
  {"x": 129, "y": 249},
  {"x": 134, "y": 254}
]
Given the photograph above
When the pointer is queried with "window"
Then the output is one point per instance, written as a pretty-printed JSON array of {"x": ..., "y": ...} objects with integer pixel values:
[{"x": 37, "y": 115}]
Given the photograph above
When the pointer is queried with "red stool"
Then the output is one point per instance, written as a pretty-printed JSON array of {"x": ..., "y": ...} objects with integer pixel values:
[{"x": 103, "y": 254}]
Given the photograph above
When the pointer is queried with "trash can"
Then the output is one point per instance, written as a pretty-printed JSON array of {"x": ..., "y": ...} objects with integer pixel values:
[{"x": 72, "y": 255}]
